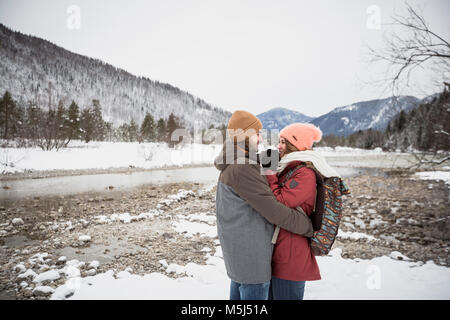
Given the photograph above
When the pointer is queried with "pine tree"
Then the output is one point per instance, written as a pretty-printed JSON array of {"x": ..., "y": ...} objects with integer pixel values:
[
  {"x": 74, "y": 121},
  {"x": 49, "y": 130},
  {"x": 148, "y": 128},
  {"x": 61, "y": 127},
  {"x": 109, "y": 131},
  {"x": 9, "y": 116},
  {"x": 172, "y": 125},
  {"x": 61, "y": 121},
  {"x": 86, "y": 125},
  {"x": 33, "y": 122},
  {"x": 419, "y": 138},
  {"x": 401, "y": 120},
  {"x": 161, "y": 130},
  {"x": 133, "y": 131},
  {"x": 98, "y": 124}
]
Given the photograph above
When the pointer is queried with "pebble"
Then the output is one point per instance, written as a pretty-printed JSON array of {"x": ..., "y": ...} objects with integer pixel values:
[
  {"x": 91, "y": 272},
  {"x": 20, "y": 268},
  {"x": 43, "y": 291},
  {"x": 94, "y": 264},
  {"x": 17, "y": 221},
  {"x": 84, "y": 238}
]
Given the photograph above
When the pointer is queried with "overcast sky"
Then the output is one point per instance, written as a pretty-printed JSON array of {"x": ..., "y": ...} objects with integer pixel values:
[{"x": 235, "y": 54}]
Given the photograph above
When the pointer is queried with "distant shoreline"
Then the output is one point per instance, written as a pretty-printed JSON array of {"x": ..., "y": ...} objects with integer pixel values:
[{"x": 42, "y": 174}]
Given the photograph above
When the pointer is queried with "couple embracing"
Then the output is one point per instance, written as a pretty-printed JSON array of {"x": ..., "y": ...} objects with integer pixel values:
[{"x": 264, "y": 261}]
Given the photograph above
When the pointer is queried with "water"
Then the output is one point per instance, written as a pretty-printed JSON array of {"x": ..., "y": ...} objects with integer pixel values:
[
  {"x": 346, "y": 172},
  {"x": 97, "y": 251},
  {"x": 19, "y": 189},
  {"x": 18, "y": 241},
  {"x": 100, "y": 182}
]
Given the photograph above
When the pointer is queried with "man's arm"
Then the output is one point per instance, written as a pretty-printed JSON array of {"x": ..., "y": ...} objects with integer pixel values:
[
  {"x": 293, "y": 197},
  {"x": 253, "y": 188}
]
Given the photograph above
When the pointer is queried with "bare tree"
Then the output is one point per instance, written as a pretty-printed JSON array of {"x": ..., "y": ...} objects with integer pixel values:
[{"x": 417, "y": 46}]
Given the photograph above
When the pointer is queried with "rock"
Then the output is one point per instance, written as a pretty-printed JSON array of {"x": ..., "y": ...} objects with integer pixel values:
[
  {"x": 27, "y": 293},
  {"x": 398, "y": 256},
  {"x": 84, "y": 238},
  {"x": 46, "y": 276},
  {"x": 94, "y": 264},
  {"x": 72, "y": 272},
  {"x": 28, "y": 274},
  {"x": 91, "y": 272},
  {"x": 84, "y": 223},
  {"x": 43, "y": 291},
  {"x": 44, "y": 268},
  {"x": 20, "y": 268},
  {"x": 17, "y": 221}
]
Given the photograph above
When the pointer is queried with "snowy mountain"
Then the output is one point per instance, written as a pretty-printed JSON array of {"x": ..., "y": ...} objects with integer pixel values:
[
  {"x": 278, "y": 118},
  {"x": 36, "y": 70},
  {"x": 375, "y": 114}
]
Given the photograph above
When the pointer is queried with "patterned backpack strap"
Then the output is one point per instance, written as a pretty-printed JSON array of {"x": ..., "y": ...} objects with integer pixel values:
[
  {"x": 344, "y": 187},
  {"x": 290, "y": 173}
]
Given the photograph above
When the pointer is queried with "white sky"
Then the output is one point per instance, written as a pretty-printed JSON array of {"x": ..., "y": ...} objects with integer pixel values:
[{"x": 235, "y": 54}]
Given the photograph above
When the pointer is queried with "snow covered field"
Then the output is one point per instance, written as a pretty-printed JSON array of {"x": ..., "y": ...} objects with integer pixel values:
[
  {"x": 379, "y": 278},
  {"x": 391, "y": 276},
  {"x": 105, "y": 155},
  {"x": 386, "y": 277}
]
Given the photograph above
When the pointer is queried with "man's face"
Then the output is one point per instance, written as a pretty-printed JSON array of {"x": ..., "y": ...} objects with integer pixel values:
[{"x": 255, "y": 140}]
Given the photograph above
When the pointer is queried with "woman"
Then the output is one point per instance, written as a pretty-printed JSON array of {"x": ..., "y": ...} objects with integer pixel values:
[{"x": 293, "y": 262}]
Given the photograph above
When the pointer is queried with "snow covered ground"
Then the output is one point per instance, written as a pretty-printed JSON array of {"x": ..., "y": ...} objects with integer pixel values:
[
  {"x": 386, "y": 277},
  {"x": 379, "y": 278},
  {"x": 435, "y": 175},
  {"x": 104, "y": 155},
  {"x": 392, "y": 276}
]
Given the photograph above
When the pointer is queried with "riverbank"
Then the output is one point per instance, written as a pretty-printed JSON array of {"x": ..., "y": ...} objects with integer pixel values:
[
  {"x": 149, "y": 228},
  {"x": 42, "y": 174},
  {"x": 91, "y": 158}
]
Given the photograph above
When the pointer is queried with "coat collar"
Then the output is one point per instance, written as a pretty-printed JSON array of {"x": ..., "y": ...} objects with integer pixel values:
[{"x": 234, "y": 154}]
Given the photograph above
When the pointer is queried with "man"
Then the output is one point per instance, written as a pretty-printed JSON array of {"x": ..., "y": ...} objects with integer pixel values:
[{"x": 246, "y": 211}]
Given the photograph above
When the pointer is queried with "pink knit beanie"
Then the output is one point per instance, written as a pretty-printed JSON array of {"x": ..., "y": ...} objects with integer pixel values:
[{"x": 301, "y": 135}]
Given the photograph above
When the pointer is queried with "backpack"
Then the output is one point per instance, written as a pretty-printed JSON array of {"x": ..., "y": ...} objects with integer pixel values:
[{"x": 327, "y": 211}]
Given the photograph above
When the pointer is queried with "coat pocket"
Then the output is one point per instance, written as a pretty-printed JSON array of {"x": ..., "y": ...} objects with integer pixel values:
[{"x": 282, "y": 249}]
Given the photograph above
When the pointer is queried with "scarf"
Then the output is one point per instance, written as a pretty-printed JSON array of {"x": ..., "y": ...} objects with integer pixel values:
[{"x": 317, "y": 160}]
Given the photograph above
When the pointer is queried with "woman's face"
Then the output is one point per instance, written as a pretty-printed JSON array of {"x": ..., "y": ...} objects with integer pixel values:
[{"x": 282, "y": 147}]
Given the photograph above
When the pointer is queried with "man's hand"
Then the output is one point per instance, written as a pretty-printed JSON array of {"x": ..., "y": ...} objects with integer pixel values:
[{"x": 269, "y": 159}]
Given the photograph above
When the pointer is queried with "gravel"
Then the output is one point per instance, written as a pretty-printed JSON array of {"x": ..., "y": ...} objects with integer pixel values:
[{"x": 63, "y": 237}]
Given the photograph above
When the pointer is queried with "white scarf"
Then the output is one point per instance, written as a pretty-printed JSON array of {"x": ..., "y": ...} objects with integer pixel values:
[{"x": 318, "y": 161}]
